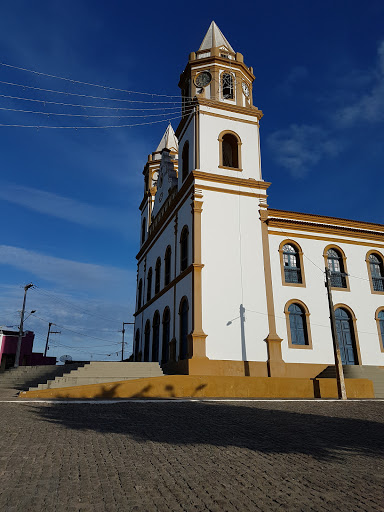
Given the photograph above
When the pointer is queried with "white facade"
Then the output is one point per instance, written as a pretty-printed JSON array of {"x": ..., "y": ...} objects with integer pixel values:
[{"x": 241, "y": 306}]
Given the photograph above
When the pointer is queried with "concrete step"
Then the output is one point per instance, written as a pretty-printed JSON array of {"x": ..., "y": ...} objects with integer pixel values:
[
  {"x": 99, "y": 372},
  {"x": 22, "y": 378},
  {"x": 373, "y": 373}
]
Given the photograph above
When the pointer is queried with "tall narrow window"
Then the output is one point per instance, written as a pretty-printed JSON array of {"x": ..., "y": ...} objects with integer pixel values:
[
  {"x": 157, "y": 275},
  {"x": 137, "y": 345},
  {"x": 227, "y": 85},
  {"x": 143, "y": 230},
  {"x": 140, "y": 294},
  {"x": 297, "y": 325},
  {"x": 156, "y": 336},
  {"x": 336, "y": 266},
  {"x": 380, "y": 325},
  {"x": 184, "y": 248},
  {"x": 167, "y": 265},
  {"x": 183, "y": 312},
  {"x": 230, "y": 151},
  {"x": 147, "y": 336},
  {"x": 166, "y": 335},
  {"x": 291, "y": 260},
  {"x": 377, "y": 272},
  {"x": 149, "y": 284},
  {"x": 185, "y": 161}
]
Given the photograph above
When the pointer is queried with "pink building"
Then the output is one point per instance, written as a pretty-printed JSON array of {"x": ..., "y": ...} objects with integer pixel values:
[{"x": 8, "y": 344}]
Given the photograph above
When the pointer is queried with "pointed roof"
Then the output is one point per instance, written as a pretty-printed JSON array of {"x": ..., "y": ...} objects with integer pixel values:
[
  {"x": 169, "y": 140},
  {"x": 214, "y": 38}
]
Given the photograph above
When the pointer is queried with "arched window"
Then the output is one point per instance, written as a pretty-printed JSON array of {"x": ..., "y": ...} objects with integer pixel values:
[
  {"x": 229, "y": 148},
  {"x": 335, "y": 262},
  {"x": 167, "y": 265},
  {"x": 156, "y": 336},
  {"x": 166, "y": 335},
  {"x": 377, "y": 272},
  {"x": 184, "y": 248},
  {"x": 157, "y": 275},
  {"x": 185, "y": 161},
  {"x": 137, "y": 344},
  {"x": 143, "y": 230},
  {"x": 149, "y": 284},
  {"x": 291, "y": 264},
  {"x": 298, "y": 331},
  {"x": 380, "y": 326},
  {"x": 147, "y": 336},
  {"x": 227, "y": 86},
  {"x": 346, "y": 335},
  {"x": 140, "y": 294},
  {"x": 183, "y": 313}
]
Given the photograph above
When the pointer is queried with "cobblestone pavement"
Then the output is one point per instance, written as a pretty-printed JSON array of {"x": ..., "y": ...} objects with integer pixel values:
[{"x": 174, "y": 456}]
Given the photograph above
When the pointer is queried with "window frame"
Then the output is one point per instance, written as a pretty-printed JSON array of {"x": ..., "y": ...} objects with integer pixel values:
[
  {"x": 184, "y": 230},
  {"x": 149, "y": 284},
  {"x": 354, "y": 326},
  {"x": 168, "y": 254},
  {"x": 158, "y": 275},
  {"x": 147, "y": 337},
  {"x": 239, "y": 144},
  {"x": 307, "y": 314},
  {"x": 140, "y": 294},
  {"x": 143, "y": 230},
  {"x": 378, "y": 253},
  {"x": 183, "y": 300},
  {"x": 185, "y": 158},
  {"x": 156, "y": 322},
  {"x": 301, "y": 263},
  {"x": 166, "y": 312},
  {"x": 379, "y": 310},
  {"x": 136, "y": 350},
  {"x": 233, "y": 85},
  {"x": 344, "y": 263}
]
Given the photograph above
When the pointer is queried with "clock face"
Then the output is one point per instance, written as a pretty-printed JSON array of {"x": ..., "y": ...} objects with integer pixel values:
[
  {"x": 203, "y": 79},
  {"x": 245, "y": 89}
]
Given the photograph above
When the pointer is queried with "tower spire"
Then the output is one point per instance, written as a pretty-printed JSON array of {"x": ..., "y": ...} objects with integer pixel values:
[{"x": 214, "y": 38}]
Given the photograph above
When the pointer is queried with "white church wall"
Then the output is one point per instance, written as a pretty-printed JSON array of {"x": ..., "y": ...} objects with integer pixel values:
[
  {"x": 233, "y": 275},
  {"x": 360, "y": 299},
  {"x": 210, "y": 129}
]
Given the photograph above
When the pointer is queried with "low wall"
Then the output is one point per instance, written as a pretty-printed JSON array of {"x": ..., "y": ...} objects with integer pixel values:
[{"x": 188, "y": 386}]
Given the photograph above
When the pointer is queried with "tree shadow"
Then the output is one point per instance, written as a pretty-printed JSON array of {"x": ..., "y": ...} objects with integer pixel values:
[{"x": 323, "y": 430}]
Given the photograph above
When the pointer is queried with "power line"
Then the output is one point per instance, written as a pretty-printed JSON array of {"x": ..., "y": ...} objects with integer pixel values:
[
  {"x": 90, "y": 127},
  {"x": 84, "y": 95},
  {"x": 87, "y": 106},
  {"x": 88, "y": 83}
]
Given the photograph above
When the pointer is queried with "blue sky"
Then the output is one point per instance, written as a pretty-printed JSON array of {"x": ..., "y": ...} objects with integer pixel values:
[{"x": 69, "y": 198}]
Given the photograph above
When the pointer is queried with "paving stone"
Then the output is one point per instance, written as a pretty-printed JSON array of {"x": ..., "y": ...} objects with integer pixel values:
[{"x": 194, "y": 456}]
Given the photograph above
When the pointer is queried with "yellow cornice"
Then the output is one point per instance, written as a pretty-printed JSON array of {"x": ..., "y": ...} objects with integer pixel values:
[
  {"x": 218, "y": 60},
  {"x": 248, "y": 111},
  {"x": 230, "y": 180},
  {"x": 322, "y": 219}
]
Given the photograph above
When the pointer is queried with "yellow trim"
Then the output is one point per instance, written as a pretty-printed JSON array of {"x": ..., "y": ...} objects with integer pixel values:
[
  {"x": 239, "y": 144},
  {"x": 369, "y": 270},
  {"x": 230, "y": 180},
  {"x": 324, "y": 239},
  {"x": 230, "y": 191},
  {"x": 355, "y": 331},
  {"x": 381, "y": 340},
  {"x": 247, "y": 111},
  {"x": 307, "y": 314},
  {"x": 345, "y": 270},
  {"x": 205, "y": 112},
  {"x": 300, "y": 253}
]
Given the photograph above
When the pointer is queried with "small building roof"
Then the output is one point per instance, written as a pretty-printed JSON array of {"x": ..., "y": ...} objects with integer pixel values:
[
  {"x": 169, "y": 140},
  {"x": 214, "y": 38}
]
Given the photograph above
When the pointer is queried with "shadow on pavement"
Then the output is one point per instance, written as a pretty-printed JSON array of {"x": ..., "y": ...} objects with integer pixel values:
[{"x": 319, "y": 429}]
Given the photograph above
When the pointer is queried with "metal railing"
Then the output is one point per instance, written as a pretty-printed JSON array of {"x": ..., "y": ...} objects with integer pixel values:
[
  {"x": 338, "y": 280},
  {"x": 378, "y": 284},
  {"x": 292, "y": 275}
]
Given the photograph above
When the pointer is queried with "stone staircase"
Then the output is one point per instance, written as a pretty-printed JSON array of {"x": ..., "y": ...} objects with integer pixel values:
[
  {"x": 98, "y": 372},
  {"x": 22, "y": 378},
  {"x": 373, "y": 373}
]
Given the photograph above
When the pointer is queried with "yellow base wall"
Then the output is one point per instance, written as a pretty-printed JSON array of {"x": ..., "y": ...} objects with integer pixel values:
[
  {"x": 205, "y": 366},
  {"x": 187, "y": 386}
]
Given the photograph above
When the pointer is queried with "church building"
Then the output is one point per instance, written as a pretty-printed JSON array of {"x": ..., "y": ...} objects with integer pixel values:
[{"x": 225, "y": 284}]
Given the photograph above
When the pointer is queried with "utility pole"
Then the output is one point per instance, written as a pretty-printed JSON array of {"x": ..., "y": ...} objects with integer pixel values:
[
  {"x": 122, "y": 341},
  {"x": 21, "y": 326},
  {"x": 49, "y": 332},
  {"x": 336, "y": 348}
]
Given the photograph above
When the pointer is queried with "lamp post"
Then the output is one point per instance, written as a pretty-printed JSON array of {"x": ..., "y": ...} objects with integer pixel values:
[
  {"x": 122, "y": 341},
  {"x": 18, "y": 348}
]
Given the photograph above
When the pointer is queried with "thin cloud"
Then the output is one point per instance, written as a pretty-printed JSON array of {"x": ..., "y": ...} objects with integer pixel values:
[
  {"x": 64, "y": 207},
  {"x": 300, "y": 147},
  {"x": 296, "y": 75},
  {"x": 66, "y": 273}
]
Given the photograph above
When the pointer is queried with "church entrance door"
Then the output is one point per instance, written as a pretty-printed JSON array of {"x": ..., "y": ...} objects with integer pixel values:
[{"x": 345, "y": 334}]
